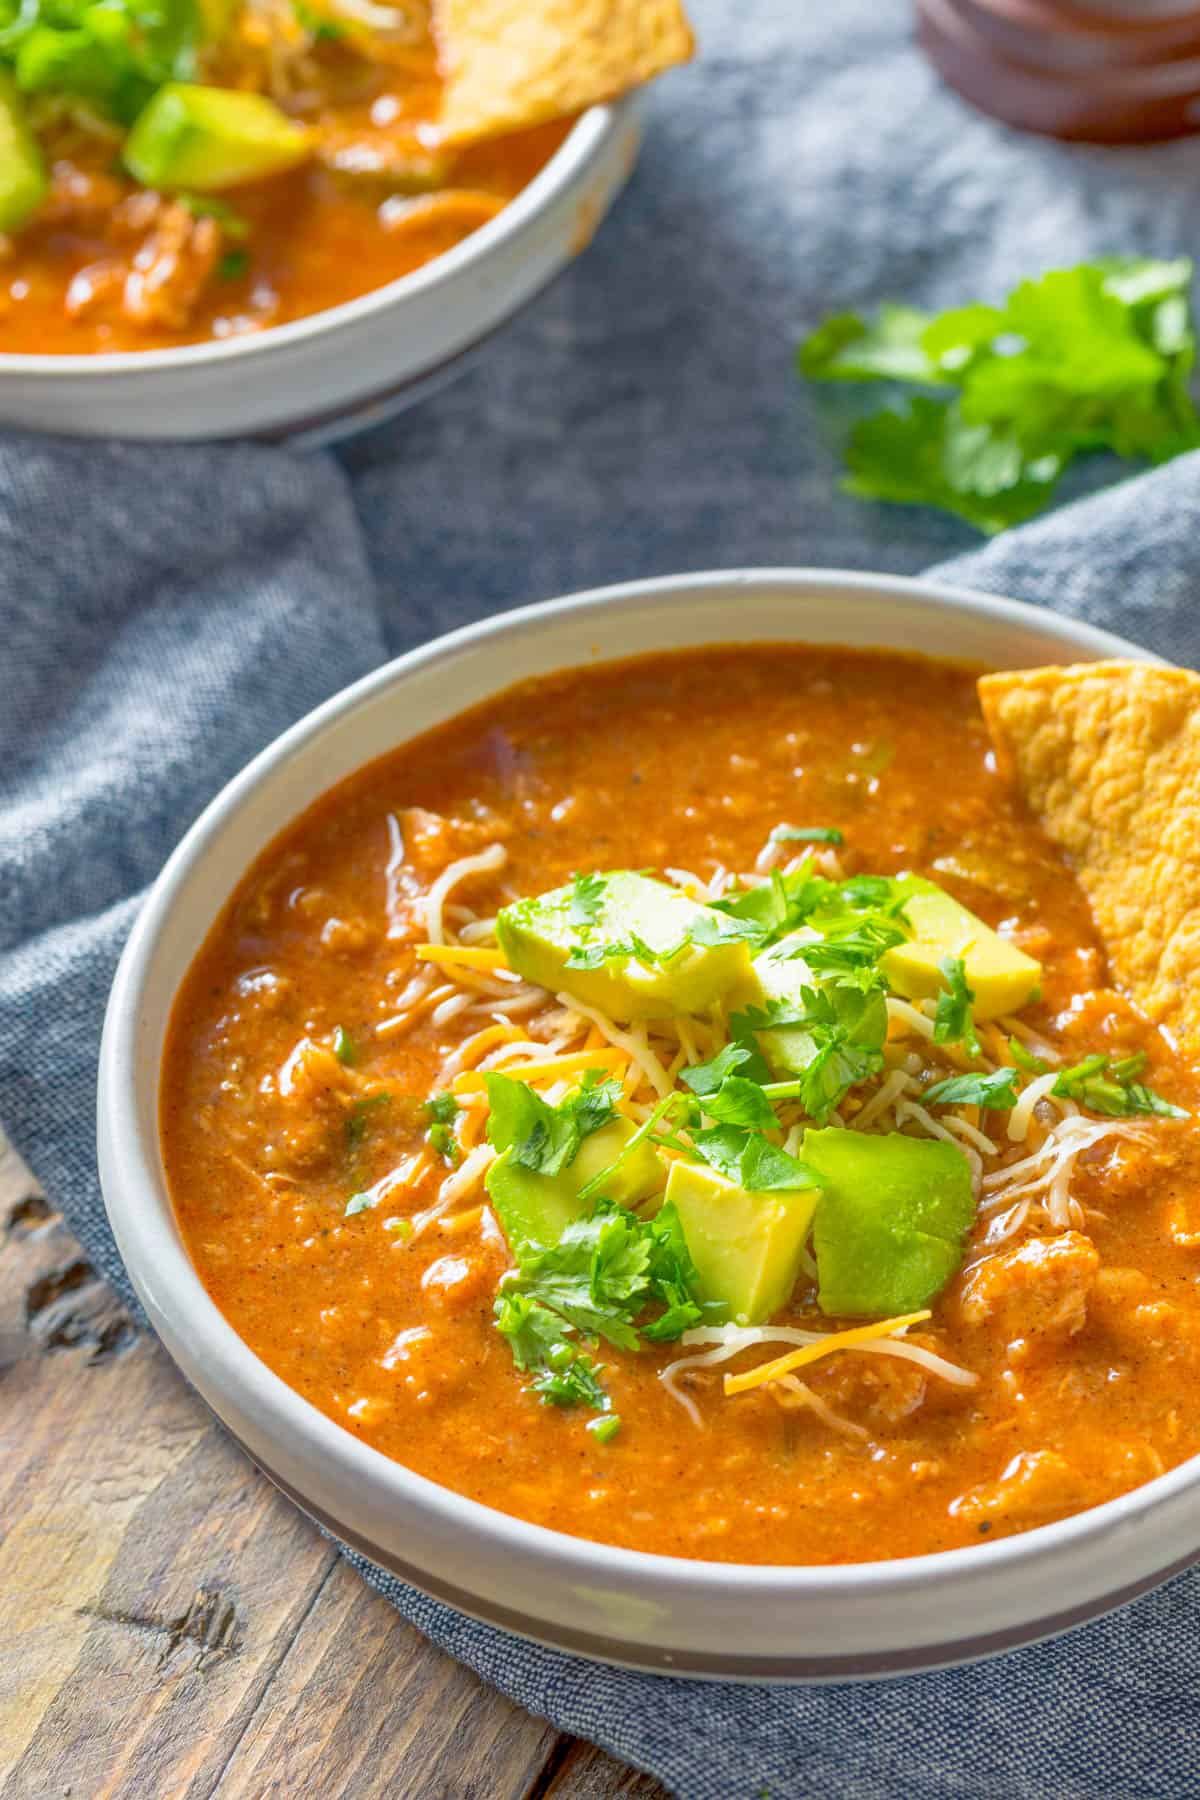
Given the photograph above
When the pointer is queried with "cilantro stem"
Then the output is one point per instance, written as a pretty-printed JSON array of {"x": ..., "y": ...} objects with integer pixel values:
[
  {"x": 598, "y": 1180},
  {"x": 783, "y": 1090}
]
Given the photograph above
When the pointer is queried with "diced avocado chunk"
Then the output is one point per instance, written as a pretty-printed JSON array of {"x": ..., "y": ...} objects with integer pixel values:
[
  {"x": 538, "y": 935},
  {"x": 999, "y": 975},
  {"x": 23, "y": 179},
  {"x": 209, "y": 138},
  {"x": 779, "y": 974},
  {"x": 747, "y": 1247},
  {"x": 535, "y": 1209},
  {"x": 890, "y": 1226}
]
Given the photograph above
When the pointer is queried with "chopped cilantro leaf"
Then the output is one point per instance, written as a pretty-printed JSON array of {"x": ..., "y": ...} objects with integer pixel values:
[
  {"x": 233, "y": 265},
  {"x": 1107, "y": 1087},
  {"x": 843, "y": 1025},
  {"x": 543, "y": 1137},
  {"x": 587, "y": 901},
  {"x": 344, "y": 1047},
  {"x": 445, "y": 1143},
  {"x": 543, "y": 1346},
  {"x": 996, "y": 1090},
  {"x": 856, "y": 946},
  {"x": 442, "y": 1110},
  {"x": 605, "y": 1429},
  {"x": 751, "y": 1160},
  {"x": 740, "y": 1102},
  {"x": 358, "y": 1203},
  {"x": 954, "y": 1021},
  {"x": 706, "y": 1078}
]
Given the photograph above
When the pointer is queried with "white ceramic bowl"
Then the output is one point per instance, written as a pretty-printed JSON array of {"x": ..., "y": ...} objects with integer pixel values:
[
  {"x": 652, "y": 1612},
  {"x": 348, "y": 366}
]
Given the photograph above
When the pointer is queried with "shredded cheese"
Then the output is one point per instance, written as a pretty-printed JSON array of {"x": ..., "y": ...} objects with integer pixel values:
[
  {"x": 484, "y": 862},
  {"x": 450, "y": 956},
  {"x": 824, "y": 1346},
  {"x": 471, "y": 1080},
  {"x": 634, "y": 1044},
  {"x": 1022, "y": 1113},
  {"x": 904, "y": 1019}
]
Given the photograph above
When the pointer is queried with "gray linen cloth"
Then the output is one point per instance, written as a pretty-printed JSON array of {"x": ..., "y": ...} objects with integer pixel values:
[{"x": 166, "y": 611}]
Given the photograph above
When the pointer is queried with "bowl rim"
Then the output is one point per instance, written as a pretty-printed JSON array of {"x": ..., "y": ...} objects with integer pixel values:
[
  {"x": 140, "y": 1212},
  {"x": 590, "y": 134}
]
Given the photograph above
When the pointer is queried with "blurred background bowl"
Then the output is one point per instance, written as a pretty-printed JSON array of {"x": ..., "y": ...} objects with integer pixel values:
[{"x": 343, "y": 369}]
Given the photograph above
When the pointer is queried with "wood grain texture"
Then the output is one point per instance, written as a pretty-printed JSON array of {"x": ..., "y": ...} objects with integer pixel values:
[{"x": 173, "y": 1628}]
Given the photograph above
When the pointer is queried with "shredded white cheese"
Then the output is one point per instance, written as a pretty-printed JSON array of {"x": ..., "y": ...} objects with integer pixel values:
[{"x": 484, "y": 862}]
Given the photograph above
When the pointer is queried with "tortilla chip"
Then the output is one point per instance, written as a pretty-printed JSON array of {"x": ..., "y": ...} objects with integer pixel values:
[
  {"x": 509, "y": 64},
  {"x": 1108, "y": 757}
]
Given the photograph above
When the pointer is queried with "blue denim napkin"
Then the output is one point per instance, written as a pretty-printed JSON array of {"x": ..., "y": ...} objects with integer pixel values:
[{"x": 164, "y": 612}]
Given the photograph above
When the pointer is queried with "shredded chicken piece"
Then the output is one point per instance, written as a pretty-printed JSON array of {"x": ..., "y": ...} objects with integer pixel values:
[
  {"x": 79, "y": 196},
  {"x": 172, "y": 268},
  {"x": 1036, "y": 1293},
  {"x": 1037, "y": 1485},
  {"x": 880, "y": 1389}
]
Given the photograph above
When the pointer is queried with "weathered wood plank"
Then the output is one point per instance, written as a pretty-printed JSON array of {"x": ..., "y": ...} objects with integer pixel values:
[{"x": 172, "y": 1625}]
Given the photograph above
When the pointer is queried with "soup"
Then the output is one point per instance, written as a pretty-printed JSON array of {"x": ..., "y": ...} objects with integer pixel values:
[{"x": 654, "y": 1107}]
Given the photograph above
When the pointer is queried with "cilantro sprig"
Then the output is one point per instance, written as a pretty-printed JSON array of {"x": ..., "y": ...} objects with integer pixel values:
[
  {"x": 1096, "y": 357},
  {"x": 542, "y": 1137},
  {"x": 996, "y": 1090},
  {"x": 442, "y": 1110},
  {"x": 954, "y": 1020},
  {"x": 613, "y": 1277}
]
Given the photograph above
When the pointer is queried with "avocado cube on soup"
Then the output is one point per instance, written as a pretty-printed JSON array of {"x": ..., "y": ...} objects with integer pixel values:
[
  {"x": 1000, "y": 976},
  {"x": 209, "y": 138},
  {"x": 747, "y": 1247},
  {"x": 625, "y": 950},
  {"x": 890, "y": 1226},
  {"x": 535, "y": 1209},
  {"x": 780, "y": 974}
]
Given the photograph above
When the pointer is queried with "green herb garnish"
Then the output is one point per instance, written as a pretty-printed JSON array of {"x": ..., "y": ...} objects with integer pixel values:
[
  {"x": 1096, "y": 357},
  {"x": 997, "y": 1091},
  {"x": 954, "y": 1021},
  {"x": 1108, "y": 1086},
  {"x": 612, "y": 1276},
  {"x": 542, "y": 1137},
  {"x": 344, "y": 1047}
]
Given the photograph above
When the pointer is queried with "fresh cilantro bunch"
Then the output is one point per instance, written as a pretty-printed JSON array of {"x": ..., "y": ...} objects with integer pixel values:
[
  {"x": 1097, "y": 357},
  {"x": 109, "y": 54}
]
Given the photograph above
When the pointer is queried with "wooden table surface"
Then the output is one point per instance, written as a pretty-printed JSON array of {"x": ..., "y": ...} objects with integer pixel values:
[{"x": 171, "y": 1627}]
